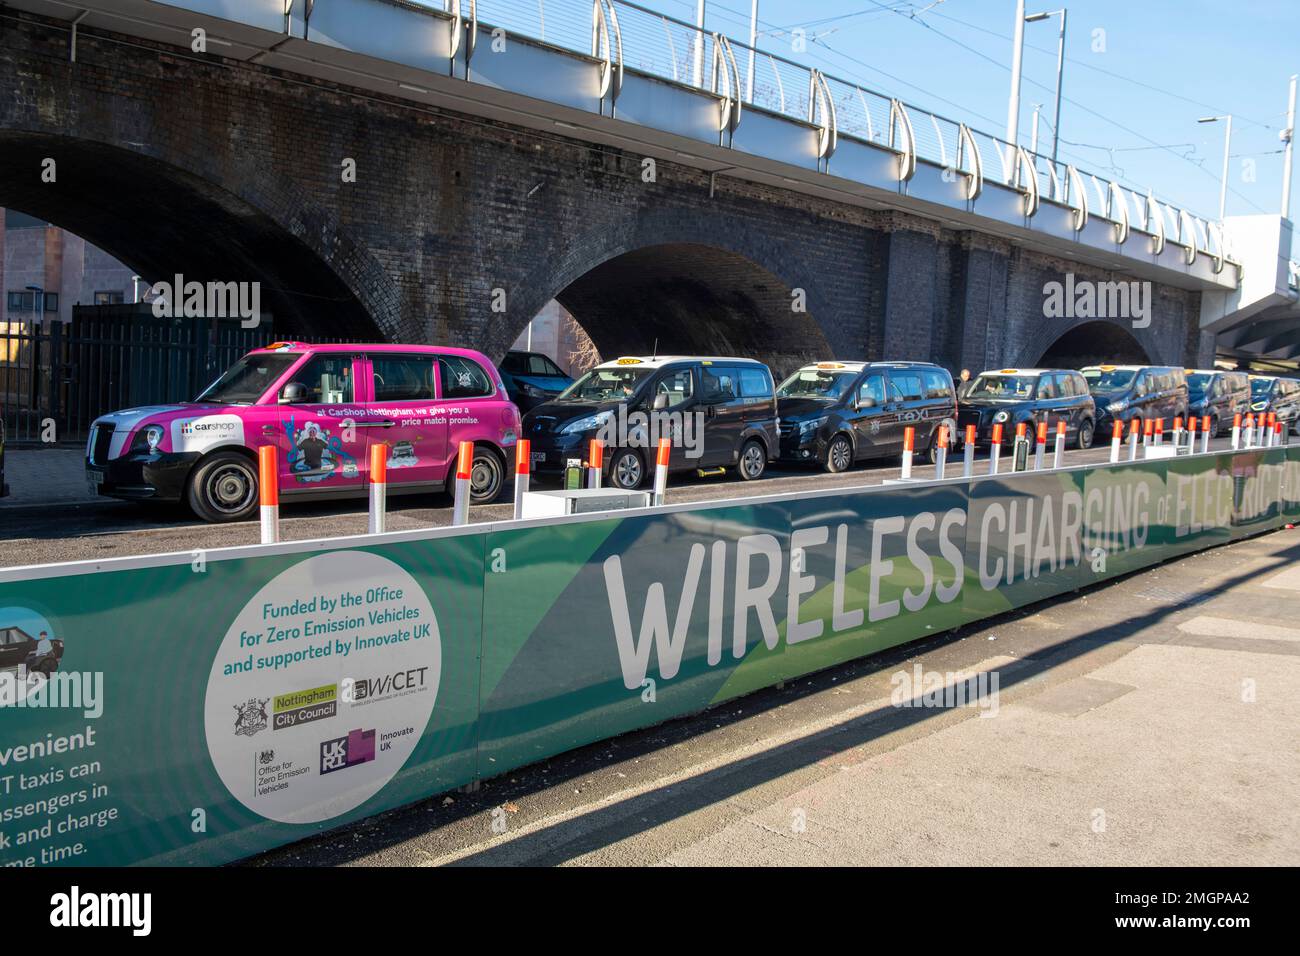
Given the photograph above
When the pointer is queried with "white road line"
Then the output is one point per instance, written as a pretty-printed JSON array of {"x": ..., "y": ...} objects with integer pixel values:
[
  {"x": 1226, "y": 627},
  {"x": 1288, "y": 580}
]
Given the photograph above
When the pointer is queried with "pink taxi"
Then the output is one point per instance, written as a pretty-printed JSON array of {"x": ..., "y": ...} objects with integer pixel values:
[{"x": 321, "y": 407}]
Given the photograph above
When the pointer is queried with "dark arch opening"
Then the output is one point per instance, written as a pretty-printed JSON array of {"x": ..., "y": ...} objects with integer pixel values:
[
  {"x": 692, "y": 299},
  {"x": 162, "y": 221},
  {"x": 1093, "y": 343}
]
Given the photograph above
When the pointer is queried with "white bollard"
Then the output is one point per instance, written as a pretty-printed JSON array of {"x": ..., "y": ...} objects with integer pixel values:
[
  {"x": 1236, "y": 431},
  {"x": 1205, "y": 434},
  {"x": 1148, "y": 429},
  {"x": 464, "y": 465},
  {"x": 1040, "y": 446},
  {"x": 1178, "y": 432},
  {"x": 1133, "y": 441},
  {"x": 378, "y": 487},
  {"x": 995, "y": 450},
  {"x": 1160, "y": 430},
  {"x": 1059, "y": 452},
  {"x": 1116, "y": 437},
  {"x": 268, "y": 485},
  {"x": 523, "y": 470},
  {"x": 1191, "y": 434},
  {"x": 941, "y": 451},
  {"x": 661, "y": 470},
  {"x": 909, "y": 442},
  {"x": 1249, "y": 430},
  {"x": 968, "y": 467}
]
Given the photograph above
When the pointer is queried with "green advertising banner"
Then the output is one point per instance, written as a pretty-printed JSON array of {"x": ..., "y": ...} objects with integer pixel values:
[{"x": 201, "y": 708}]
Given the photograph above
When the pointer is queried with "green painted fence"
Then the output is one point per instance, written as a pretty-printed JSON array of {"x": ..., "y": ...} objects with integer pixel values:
[{"x": 210, "y": 706}]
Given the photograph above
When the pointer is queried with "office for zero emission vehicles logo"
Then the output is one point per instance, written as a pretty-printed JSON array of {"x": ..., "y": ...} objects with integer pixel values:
[{"x": 338, "y": 658}]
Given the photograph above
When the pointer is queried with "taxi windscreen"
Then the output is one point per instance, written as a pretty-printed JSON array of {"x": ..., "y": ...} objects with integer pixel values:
[
  {"x": 1108, "y": 380},
  {"x": 1010, "y": 387},
  {"x": 816, "y": 383},
  {"x": 1259, "y": 387},
  {"x": 248, "y": 379},
  {"x": 605, "y": 385}
]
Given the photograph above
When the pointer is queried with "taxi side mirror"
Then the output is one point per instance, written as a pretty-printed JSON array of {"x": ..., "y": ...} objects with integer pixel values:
[
  {"x": 293, "y": 393},
  {"x": 865, "y": 401}
]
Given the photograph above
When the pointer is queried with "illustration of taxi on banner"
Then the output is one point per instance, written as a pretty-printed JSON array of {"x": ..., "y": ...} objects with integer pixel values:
[{"x": 321, "y": 407}]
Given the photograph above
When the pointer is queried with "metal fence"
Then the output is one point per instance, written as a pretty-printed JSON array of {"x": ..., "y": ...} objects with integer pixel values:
[
  {"x": 57, "y": 377},
  {"x": 635, "y": 37}
]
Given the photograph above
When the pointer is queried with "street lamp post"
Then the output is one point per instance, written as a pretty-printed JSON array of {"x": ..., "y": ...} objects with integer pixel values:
[
  {"x": 753, "y": 49},
  {"x": 38, "y": 294},
  {"x": 1227, "y": 146},
  {"x": 1288, "y": 135},
  {"x": 1017, "y": 63}
]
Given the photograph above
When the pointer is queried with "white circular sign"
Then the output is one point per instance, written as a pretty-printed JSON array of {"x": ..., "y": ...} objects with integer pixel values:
[{"x": 323, "y": 686}]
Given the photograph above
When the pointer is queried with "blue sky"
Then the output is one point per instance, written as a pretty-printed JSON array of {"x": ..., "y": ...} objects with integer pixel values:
[{"x": 1138, "y": 75}]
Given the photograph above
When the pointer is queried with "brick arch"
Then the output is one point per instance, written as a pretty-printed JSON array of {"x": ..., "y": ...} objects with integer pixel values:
[
  {"x": 710, "y": 285},
  {"x": 164, "y": 216},
  {"x": 1142, "y": 345}
]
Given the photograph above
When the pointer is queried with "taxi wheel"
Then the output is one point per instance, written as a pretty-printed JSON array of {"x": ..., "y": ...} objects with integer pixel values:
[
  {"x": 1214, "y": 426},
  {"x": 753, "y": 460},
  {"x": 626, "y": 470},
  {"x": 839, "y": 456},
  {"x": 223, "y": 488},
  {"x": 1083, "y": 438},
  {"x": 486, "y": 476}
]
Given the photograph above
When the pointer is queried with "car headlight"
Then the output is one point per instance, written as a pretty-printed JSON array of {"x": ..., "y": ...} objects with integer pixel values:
[
  {"x": 1000, "y": 417},
  {"x": 149, "y": 437},
  {"x": 1116, "y": 407},
  {"x": 588, "y": 424},
  {"x": 810, "y": 426},
  {"x": 1258, "y": 406}
]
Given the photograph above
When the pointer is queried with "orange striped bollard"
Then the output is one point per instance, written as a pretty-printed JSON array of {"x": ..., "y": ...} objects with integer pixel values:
[
  {"x": 1059, "y": 451},
  {"x": 1191, "y": 434},
  {"x": 968, "y": 468},
  {"x": 378, "y": 487},
  {"x": 1040, "y": 446},
  {"x": 1205, "y": 434},
  {"x": 1148, "y": 429},
  {"x": 1248, "y": 428},
  {"x": 595, "y": 462},
  {"x": 1178, "y": 431},
  {"x": 464, "y": 465},
  {"x": 1272, "y": 428},
  {"x": 1116, "y": 438},
  {"x": 1236, "y": 431},
  {"x": 1160, "y": 430},
  {"x": 268, "y": 487},
  {"x": 995, "y": 450},
  {"x": 909, "y": 443},
  {"x": 1277, "y": 432},
  {"x": 523, "y": 469},
  {"x": 941, "y": 451},
  {"x": 661, "y": 470},
  {"x": 1262, "y": 424}
]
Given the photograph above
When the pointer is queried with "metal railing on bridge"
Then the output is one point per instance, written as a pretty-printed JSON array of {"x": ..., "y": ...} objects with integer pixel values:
[{"x": 625, "y": 35}]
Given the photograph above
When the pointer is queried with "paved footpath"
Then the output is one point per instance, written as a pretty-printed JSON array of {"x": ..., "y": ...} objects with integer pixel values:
[{"x": 1148, "y": 720}]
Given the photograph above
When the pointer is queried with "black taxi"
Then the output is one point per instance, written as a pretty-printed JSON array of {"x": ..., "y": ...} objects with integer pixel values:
[{"x": 1010, "y": 396}]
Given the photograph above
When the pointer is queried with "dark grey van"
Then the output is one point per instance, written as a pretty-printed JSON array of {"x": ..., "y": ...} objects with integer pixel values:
[
  {"x": 1154, "y": 393},
  {"x": 837, "y": 413},
  {"x": 1271, "y": 393},
  {"x": 1219, "y": 394},
  {"x": 717, "y": 413}
]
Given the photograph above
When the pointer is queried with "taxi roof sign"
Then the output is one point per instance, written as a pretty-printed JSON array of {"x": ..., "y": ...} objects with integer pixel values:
[
  {"x": 1008, "y": 371},
  {"x": 629, "y": 361},
  {"x": 830, "y": 364}
]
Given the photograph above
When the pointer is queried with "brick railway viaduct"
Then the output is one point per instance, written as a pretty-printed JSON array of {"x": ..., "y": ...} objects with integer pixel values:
[{"x": 458, "y": 229}]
